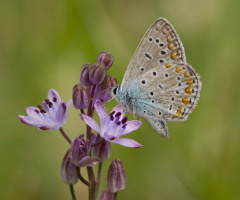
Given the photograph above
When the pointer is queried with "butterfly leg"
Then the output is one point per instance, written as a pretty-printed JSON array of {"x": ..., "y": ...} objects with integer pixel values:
[{"x": 133, "y": 110}]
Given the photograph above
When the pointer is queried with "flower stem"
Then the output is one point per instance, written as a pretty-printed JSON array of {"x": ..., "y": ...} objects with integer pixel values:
[
  {"x": 99, "y": 175},
  {"x": 81, "y": 178},
  {"x": 65, "y": 135},
  {"x": 72, "y": 192},
  {"x": 115, "y": 196}
]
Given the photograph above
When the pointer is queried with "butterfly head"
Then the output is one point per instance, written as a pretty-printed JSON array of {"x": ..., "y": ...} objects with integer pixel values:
[{"x": 114, "y": 91}]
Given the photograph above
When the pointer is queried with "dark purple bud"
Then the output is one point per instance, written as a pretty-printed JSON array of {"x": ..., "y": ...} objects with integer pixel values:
[
  {"x": 80, "y": 96},
  {"x": 79, "y": 149},
  {"x": 106, "y": 195},
  {"x": 108, "y": 82},
  {"x": 106, "y": 58},
  {"x": 84, "y": 74},
  {"x": 102, "y": 150},
  {"x": 97, "y": 73},
  {"x": 68, "y": 170},
  {"x": 116, "y": 179}
]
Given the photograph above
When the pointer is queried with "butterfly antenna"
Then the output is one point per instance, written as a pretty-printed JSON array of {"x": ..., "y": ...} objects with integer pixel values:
[
  {"x": 98, "y": 95},
  {"x": 109, "y": 100}
]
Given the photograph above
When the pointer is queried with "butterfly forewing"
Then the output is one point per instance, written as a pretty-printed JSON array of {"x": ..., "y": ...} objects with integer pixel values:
[{"x": 160, "y": 44}]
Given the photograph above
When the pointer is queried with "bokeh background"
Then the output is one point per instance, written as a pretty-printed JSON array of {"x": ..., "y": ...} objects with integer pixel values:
[{"x": 43, "y": 45}]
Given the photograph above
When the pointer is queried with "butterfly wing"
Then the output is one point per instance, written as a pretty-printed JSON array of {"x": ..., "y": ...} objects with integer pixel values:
[
  {"x": 160, "y": 44},
  {"x": 169, "y": 92}
]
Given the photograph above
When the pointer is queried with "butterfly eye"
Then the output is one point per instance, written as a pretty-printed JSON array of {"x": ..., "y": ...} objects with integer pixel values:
[{"x": 115, "y": 91}]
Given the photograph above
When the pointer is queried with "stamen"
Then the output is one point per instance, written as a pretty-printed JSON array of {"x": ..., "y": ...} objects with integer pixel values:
[
  {"x": 118, "y": 123},
  {"x": 36, "y": 110},
  {"x": 42, "y": 111},
  {"x": 118, "y": 114},
  {"x": 112, "y": 113},
  {"x": 47, "y": 101},
  {"x": 124, "y": 120},
  {"x": 124, "y": 126},
  {"x": 50, "y": 104},
  {"x": 40, "y": 107},
  {"x": 54, "y": 99},
  {"x": 111, "y": 117}
]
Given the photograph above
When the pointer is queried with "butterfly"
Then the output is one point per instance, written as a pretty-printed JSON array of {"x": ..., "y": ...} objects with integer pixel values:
[{"x": 159, "y": 85}]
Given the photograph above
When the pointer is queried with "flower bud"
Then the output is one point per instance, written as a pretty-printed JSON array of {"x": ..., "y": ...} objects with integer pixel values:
[
  {"x": 80, "y": 153},
  {"x": 80, "y": 96},
  {"x": 102, "y": 150},
  {"x": 84, "y": 74},
  {"x": 106, "y": 195},
  {"x": 97, "y": 73},
  {"x": 108, "y": 82},
  {"x": 68, "y": 170},
  {"x": 116, "y": 179},
  {"x": 106, "y": 58}
]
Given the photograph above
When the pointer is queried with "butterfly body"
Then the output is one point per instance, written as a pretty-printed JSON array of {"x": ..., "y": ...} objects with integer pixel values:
[{"x": 159, "y": 85}]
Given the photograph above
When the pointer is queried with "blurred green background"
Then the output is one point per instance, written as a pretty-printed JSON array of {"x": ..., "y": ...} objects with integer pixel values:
[{"x": 43, "y": 45}]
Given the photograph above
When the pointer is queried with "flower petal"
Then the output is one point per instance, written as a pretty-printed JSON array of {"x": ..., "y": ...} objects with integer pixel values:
[
  {"x": 91, "y": 122},
  {"x": 131, "y": 126},
  {"x": 117, "y": 109},
  {"x": 53, "y": 93},
  {"x": 30, "y": 121},
  {"x": 52, "y": 127},
  {"x": 59, "y": 117},
  {"x": 127, "y": 142},
  {"x": 31, "y": 111},
  {"x": 102, "y": 113},
  {"x": 89, "y": 161}
]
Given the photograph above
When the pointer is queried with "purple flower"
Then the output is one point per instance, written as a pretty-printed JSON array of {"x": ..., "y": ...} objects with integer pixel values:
[
  {"x": 53, "y": 119},
  {"x": 80, "y": 153},
  {"x": 113, "y": 126}
]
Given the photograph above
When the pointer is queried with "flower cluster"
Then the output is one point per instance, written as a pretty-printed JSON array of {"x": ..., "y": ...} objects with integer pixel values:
[{"x": 89, "y": 149}]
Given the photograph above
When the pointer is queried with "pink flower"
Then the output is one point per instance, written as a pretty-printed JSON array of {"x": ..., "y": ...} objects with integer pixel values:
[{"x": 113, "y": 126}]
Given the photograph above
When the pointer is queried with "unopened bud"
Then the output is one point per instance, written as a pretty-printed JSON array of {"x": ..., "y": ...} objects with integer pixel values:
[
  {"x": 108, "y": 82},
  {"x": 84, "y": 74},
  {"x": 97, "y": 73},
  {"x": 102, "y": 150},
  {"x": 80, "y": 153},
  {"x": 116, "y": 179},
  {"x": 68, "y": 170},
  {"x": 106, "y": 58},
  {"x": 80, "y": 96},
  {"x": 106, "y": 195}
]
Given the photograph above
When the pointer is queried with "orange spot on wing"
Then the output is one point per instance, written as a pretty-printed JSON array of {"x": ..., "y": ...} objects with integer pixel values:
[
  {"x": 171, "y": 46},
  {"x": 174, "y": 55},
  {"x": 190, "y": 82},
  {"x": 188, "y": 90},
  {"x": 179, "y": 113},
  {"x": 180, "y": 107},
  {"x": 178, "y": 69},
  {"x": 168, "y": 65},
  {"x": 186, "y": 75},
  {"x": 186, "y": 100},
  {"x": 174, "y": 117}
]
